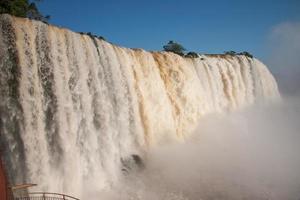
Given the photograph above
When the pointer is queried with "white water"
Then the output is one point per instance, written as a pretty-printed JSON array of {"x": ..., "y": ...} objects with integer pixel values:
[
  {"x": 73, "y": 107},
  {"x": 251, "y": 155}
]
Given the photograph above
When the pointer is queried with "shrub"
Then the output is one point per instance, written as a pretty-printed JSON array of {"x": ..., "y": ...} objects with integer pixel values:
[
  {"x": 232, "y": 53},
  {"x": 101, "y": 38},
  {"x": 93, "y": 36},
  {"x": 247, "y": 54},
  {"x": 174, "y": 47},
  {"x": 22, "y": 8},
  {"x": 191, "y": 55}
]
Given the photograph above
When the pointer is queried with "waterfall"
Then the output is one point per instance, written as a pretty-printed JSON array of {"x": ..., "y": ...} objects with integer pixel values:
[{"x": 73, "y": 106}]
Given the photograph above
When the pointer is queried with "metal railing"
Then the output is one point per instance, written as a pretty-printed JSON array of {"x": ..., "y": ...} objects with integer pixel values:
[{"x": 46, "y": 196}]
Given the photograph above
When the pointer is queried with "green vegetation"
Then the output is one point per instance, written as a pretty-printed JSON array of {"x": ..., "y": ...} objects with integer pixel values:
[
  {"x": 244, "y": 53},
  {"x": 22, "y": 8},
  {"x": 174, "y": 47},
  {"x": 179, "y": 50},
  {"x": 232, "y": 53},
  {"x": 93, "y": 36},
  {"x": 17, "y": 8},
  {"x": 101, "y": 37},
  {"x": 191, "y": 55},
  {"x": 247, "y": 54}
]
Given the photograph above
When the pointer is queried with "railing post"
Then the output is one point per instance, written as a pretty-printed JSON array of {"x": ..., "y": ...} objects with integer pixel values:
[
  {"x": 44, "y": 198},
  {"x": 64, "y": 197}
]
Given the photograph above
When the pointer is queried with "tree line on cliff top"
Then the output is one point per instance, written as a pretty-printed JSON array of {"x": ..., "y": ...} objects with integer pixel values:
[
  {"x": 23, "y": 8},
  {"x": 178, "y": 49}
]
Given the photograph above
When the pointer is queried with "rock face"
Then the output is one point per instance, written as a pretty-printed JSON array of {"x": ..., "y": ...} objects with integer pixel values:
[
  {"x": 72, "y": 106},
  {"x": 3, "y": 183}
]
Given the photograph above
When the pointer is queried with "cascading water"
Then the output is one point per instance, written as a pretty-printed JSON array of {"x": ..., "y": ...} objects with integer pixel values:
[{"x": 72, "y": 106}]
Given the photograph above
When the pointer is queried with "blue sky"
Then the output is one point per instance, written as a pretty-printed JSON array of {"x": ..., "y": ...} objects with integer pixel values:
[{"x": 201, "y": 26}]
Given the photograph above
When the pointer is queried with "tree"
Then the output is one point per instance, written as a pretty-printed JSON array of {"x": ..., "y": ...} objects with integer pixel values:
[
  {"x": 174, "y": 47},
  {"x": 191, "y": 54},
  {"x": 232, "y": 53},
  {"x": 22, "y": 8},
  {"x": 247, "y": 54},
  {"x": 14, "y": 7},
  {"x": 93, "y": 36},
  {"x": 34, "y": 13}
]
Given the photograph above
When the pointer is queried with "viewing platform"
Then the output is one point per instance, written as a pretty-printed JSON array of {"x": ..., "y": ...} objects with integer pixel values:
[
  {"x": 45, "y": 196},
  {"x": 20, "y": 192}
]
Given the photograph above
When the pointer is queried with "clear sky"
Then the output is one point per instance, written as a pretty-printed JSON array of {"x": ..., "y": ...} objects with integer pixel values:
[{"x": 210, "y": 26}]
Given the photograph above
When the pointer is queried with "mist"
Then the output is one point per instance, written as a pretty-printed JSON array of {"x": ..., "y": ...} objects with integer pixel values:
[
  {"x": 251, "y": 154},
  {"x": 283, "y": 47},
  {"x": 107, "y": 104}
]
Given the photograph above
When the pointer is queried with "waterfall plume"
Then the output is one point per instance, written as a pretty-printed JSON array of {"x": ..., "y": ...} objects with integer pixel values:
[{"x": 73, "y": 106}]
